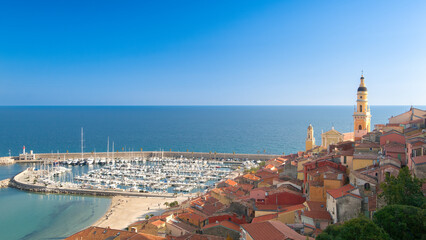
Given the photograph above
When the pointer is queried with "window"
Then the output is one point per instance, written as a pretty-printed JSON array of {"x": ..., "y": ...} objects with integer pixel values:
[
  {"x": 344, "y": 160},
  {"x": 367, "y": 186},
  {"x": 360, "y": 97},
  {"x": 359, "y": 127},
  {"x": 360, "y": 108}
]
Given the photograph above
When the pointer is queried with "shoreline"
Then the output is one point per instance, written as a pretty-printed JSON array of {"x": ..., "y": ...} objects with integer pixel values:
[{"x": 125, "y": 210}]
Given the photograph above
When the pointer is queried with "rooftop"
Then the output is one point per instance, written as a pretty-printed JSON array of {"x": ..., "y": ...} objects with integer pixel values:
[
  {"x": 98, "y": 233},
  {"x": 342, "y": 191},
  {"x": 271, "y": 230}
]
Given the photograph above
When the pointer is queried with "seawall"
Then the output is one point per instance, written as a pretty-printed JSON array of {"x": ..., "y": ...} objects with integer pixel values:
[
  {"x": 4, "y": 183},
  {"x": 6, "y": 161},
  {"x": 146, "y": 154}
]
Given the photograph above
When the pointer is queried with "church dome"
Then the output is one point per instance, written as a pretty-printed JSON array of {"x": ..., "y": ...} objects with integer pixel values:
[{"x": 362, "y": 89}]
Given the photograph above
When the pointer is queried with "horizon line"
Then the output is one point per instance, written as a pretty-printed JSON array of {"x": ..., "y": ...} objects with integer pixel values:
[{"x": 223, "y": 105}]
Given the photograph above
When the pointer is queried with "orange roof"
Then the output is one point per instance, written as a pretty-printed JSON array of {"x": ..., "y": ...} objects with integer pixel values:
[
  {"x": 251, "y": 177},
  {"x": 342, "y": 191},
  {"x": 231, "y": 182},
  {"x": 271, "y": 230},
  {"x": 193, "y": 216},
  {"x": 98, "y": 233},
  {"x": 265, "y": 218},
  {"x": 226, "y": 224},
  {"x": 316, "y": 206},
  {"x": 294, "y": 207},
  {"x": 158, "y": 223}
]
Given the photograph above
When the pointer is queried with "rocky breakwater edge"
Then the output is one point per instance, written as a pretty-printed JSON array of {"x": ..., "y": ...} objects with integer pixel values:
[
  {"x": 6, "y": 161},
  {"x": 4, "y": 183}
]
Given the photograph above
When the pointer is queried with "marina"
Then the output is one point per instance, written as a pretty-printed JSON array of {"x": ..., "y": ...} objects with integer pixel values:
[{"x": 155, "y": 176}]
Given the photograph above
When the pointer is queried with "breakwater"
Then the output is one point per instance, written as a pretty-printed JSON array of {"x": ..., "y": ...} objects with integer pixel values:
[
  {"x": 227, "y": 157},
  {"x": 20, "y": 181},
  {"x": 6, "y": 160},
  {"x": 4, "y": 183}
]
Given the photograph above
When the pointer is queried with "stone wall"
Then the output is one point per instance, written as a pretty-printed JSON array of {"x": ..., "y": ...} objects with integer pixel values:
[
  {"x": 6, "y": 161},
  {"x": 348, "y": 207},
  {"x": 4, "y": 183}
]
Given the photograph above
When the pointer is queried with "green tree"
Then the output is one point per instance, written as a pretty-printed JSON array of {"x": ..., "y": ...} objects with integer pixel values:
[
  {"x": 147, "y": 217},
  {"x": 355, "y": 229},
  {"x": 402, "y": 222},
  {"x": 166, "y": 204},
  {"x": 403, "y": 189}
]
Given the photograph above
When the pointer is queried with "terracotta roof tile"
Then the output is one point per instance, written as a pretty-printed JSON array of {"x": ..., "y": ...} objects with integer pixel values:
[
  {"x": 316, "y": 206},
  {"x": 231, "y": 182},
  {"x": 251, "y": 177},
  {"x": 342, "y": 191},
  {"x": 271, "y": 230},
  {"x": 226, "y": 224},
  {"x": 323, "y": 215},
  {"x": 265, "y": 218},
  {"x": 98, "y": 233},
  {"x": 419, "y": 160}
]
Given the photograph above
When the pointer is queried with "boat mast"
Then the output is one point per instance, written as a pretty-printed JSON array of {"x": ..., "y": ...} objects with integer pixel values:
[
  {"x": 108, "y": 148},
  {"x": 82, "y": 143}
]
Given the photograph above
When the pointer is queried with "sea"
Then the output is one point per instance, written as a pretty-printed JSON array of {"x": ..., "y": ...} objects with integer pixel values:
[{"x": 221, "y": 129}]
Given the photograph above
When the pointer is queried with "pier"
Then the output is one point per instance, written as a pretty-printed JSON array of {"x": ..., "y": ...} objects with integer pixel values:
[
  {"x": 227, "y": 157},
  {"x": 6, "y": 160}
]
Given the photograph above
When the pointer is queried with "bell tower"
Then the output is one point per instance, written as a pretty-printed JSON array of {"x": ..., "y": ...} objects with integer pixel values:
[
  {"x": 310, "y": 140},
  {"x": 362, "y": 114}
]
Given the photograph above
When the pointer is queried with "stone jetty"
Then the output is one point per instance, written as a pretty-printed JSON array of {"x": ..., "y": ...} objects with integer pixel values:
[
  {"x": 6, "y": 161},
  {"x": 4, "y": 183}
]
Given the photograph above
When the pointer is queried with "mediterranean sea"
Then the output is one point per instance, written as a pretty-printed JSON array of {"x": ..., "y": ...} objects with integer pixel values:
[{"x": 240, "y": 129}]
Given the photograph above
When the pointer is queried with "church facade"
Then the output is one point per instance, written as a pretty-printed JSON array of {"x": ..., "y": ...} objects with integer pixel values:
[{"x": 362, "y": 123}]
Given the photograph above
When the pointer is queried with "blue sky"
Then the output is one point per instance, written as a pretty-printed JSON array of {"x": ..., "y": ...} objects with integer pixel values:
[{"x": 211, "y": 52}]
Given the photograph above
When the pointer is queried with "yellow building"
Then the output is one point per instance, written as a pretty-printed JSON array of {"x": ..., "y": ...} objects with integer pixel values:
[
  {"x": 300, "y": 174},
  {"x": 310, "y": 140},
  {"x": 331, "y": 137},
  {"x": 362, "y": 160},
  {"x": 362, "y": 114}
]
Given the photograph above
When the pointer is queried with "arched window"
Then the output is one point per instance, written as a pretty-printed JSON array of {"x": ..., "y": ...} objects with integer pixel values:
[
  {"x": 360, "y": 108},
  {"x": 367, "y": 186},
  {"x": 359, "y": 127}
]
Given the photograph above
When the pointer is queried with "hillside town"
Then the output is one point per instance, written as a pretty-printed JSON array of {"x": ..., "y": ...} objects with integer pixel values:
[{"x": 297, "y": 196}]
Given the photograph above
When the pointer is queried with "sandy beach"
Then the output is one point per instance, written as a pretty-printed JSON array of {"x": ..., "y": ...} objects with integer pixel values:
[{"x": 124, "y": 211}]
